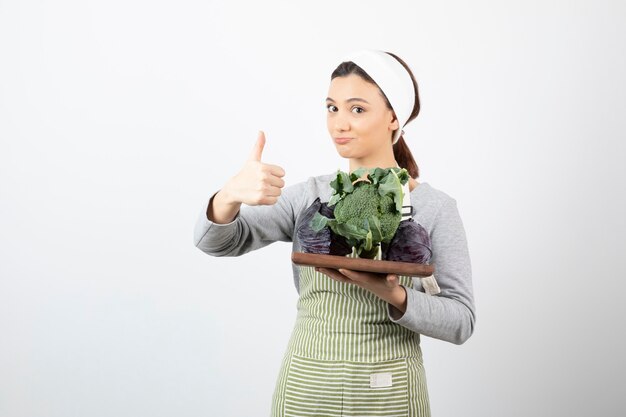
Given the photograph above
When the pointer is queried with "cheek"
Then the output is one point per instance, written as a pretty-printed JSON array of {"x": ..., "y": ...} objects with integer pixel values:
[
  {"x": 373, "y": 130},
  {"x": 377, "y": 124},
  {"x": 366, "y": 125},
  {"x": 330, "y": 120},
  {"x": 360, "y": 123}
]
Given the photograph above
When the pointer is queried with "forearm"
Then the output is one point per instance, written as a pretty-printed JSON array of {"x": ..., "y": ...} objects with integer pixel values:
[
  {"x": 396, "y": 298},
  {"x": 220, "y": 232},
  {"x": 435, "y": 316}
]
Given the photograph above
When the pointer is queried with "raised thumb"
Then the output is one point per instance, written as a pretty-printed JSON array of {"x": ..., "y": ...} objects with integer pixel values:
[{"x": 257, "y": 151}]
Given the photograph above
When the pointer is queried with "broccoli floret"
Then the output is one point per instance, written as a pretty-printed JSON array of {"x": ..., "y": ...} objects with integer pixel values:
[
  {"x": 365, "y": 202},
  {"x": 358, "y": 205},
  {"x": 389, "y": 217}
]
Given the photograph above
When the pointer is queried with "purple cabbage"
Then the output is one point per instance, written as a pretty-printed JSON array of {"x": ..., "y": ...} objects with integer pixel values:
[
  {"x": 325, "y": 241},
  {"x": 411, "y": 243}
]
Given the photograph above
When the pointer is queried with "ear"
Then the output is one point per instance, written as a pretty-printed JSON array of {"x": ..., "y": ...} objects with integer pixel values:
[{"x": 394, "y": 124}]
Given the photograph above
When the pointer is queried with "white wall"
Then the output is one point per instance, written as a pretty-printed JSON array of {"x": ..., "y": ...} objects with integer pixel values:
[{"x": 119, "y": 118}]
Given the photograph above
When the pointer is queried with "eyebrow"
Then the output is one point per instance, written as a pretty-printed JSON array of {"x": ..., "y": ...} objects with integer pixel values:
[{"x": 349, "y": 100}]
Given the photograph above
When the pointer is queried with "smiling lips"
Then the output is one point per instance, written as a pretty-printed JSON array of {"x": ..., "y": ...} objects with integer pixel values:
[{"x": 342, "y": 141}]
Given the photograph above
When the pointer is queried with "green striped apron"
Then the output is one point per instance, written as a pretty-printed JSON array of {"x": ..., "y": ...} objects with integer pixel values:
[{"x": 346, "y": 358}]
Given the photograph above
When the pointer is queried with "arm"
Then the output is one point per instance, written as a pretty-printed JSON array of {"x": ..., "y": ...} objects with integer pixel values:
[
  {"x": 249, "y": 212},
  {"x": 449, "y": 315},
  {"x": 252, "y": 227}
]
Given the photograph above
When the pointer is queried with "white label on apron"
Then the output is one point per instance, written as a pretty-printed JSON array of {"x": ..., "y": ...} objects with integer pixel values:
[
  {"x": 380, "y": 380},
  {"x": 430, "y": 285}
]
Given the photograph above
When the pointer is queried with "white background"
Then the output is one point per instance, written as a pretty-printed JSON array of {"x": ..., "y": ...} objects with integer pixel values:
[{"x": 119, "y": 118}]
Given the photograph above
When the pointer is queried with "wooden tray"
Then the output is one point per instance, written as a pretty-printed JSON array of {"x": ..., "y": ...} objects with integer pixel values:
[{"x": 361, "y": 264}]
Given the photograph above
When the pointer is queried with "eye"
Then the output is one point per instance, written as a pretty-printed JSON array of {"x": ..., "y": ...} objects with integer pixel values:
[
  {"x": 358, "y": 110},
  {"x": 331, "y": 108}
]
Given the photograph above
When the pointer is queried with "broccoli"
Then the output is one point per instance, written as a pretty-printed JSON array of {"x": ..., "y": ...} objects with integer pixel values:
[
  {"x": 364, "y": 203},
  {"x": 367, "y": 208}
]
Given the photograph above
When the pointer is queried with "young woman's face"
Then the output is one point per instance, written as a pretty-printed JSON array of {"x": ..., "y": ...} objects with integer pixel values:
[{"x": 358, "y": 119}]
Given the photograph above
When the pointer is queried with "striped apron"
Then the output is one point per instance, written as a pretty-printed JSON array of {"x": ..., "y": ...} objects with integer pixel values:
[{"x": 346, "y": 358}]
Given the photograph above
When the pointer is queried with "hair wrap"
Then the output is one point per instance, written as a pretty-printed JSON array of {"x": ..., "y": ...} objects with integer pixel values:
[{"x": 392, "y": 78}]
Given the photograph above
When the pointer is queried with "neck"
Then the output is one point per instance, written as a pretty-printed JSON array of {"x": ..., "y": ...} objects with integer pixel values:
[{"x": 378, "y": 161}]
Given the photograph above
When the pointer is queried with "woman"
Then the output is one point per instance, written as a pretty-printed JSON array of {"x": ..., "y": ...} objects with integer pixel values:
[{"x": 355, "y": 347}]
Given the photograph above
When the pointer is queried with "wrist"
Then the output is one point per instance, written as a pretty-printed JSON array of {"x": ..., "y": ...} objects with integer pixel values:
[
  {"x": 226, "y": 197},
  {"x": 222, "y": 209}
]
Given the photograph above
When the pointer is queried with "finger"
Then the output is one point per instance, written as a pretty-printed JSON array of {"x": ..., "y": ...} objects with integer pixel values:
[
  {"x": 349, "y": 273},
  {"x": 355, "y": 276},
  {"x": 333, "y": 273},
  {"x": 272, "y": 191},
  {"x": 274, "y": 170},
  {"x": 360, "y": 276},
  {"x": 275, "y": 181},
  {"x": 257, "y": 150}
]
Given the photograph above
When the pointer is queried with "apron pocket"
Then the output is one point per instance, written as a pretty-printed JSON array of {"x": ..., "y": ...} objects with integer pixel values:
[
  {"x": 376, "y": 389},
  {"x": 335, "y": 388}
]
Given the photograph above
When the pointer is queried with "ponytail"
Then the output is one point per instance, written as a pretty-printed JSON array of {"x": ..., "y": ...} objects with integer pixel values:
[{"x": 404, "y": 157}]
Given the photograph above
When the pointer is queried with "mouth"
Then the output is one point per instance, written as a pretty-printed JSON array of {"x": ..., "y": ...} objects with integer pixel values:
[{"x": 342, "y": 141}]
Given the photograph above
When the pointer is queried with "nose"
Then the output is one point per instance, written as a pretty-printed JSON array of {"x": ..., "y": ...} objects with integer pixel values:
[{"x": 341, "y": 123}]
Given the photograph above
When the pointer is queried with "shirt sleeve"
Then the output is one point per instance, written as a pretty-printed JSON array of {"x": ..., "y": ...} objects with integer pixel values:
[
  {"x": 449, "y": 315},
  {"x": 253, "y": 227}
]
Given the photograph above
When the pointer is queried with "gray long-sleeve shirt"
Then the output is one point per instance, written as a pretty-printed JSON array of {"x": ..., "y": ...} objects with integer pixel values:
[{"x": 449, "y": 315}]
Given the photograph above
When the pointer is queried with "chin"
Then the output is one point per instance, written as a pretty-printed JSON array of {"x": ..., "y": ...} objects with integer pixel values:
[{"x": 345, "y": 154}]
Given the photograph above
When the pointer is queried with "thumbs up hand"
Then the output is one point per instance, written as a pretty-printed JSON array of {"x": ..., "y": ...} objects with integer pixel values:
[{"x": 257, "y": 183}]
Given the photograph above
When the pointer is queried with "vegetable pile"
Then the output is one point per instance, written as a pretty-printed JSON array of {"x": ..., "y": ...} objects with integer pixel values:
[{"x": 365, "y": 213}]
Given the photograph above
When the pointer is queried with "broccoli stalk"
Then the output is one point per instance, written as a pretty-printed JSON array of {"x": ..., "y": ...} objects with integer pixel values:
[{"x": 367, "y": 208}]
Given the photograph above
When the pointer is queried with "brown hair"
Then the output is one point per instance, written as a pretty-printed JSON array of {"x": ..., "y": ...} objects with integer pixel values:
[{"x": 401, "y": 151}]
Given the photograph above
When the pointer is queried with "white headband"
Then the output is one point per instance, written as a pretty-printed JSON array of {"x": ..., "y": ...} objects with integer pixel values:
[{"x": 392, "y": 78}]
